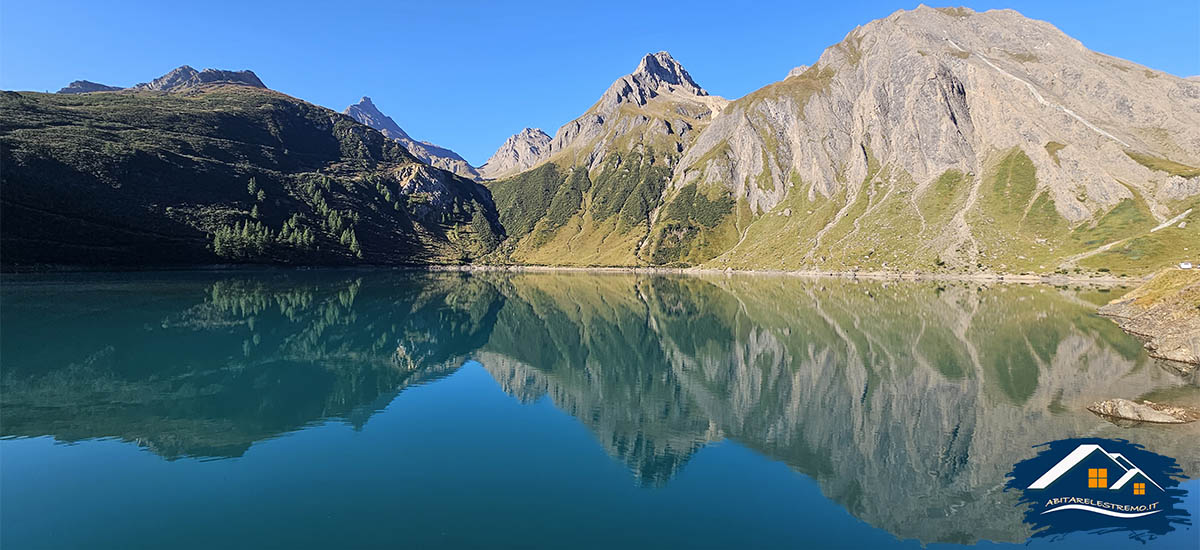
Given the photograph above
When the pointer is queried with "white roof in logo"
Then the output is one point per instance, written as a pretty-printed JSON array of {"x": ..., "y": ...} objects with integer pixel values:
[{"x": 1083, "y": 451}]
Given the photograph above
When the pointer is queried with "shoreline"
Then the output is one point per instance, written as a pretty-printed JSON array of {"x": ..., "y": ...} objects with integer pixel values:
[
  {"x": 911, "y": 276},
  {"x": 871, "y": 275}
]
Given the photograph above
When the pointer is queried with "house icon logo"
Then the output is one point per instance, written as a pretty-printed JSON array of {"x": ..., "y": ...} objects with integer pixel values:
[{"x": 1099, "y": 485}]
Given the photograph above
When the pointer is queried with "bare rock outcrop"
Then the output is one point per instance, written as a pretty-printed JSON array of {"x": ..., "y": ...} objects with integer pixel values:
[
  {"x": 520, "y": 151},
  {"x": 185, "y": 77},
  {"x": 85, "y": 86},
  {"x": 1146, "y": 411}
]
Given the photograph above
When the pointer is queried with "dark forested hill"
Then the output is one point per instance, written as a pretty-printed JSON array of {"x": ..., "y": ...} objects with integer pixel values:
[{"x": 220, "y": 174}]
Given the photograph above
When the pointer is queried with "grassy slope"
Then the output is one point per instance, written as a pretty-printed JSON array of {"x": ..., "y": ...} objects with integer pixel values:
[
  {"x": 150, "y": 178},
  {"x": 559, "y": 214},
  {"x": 903, "y": 226}
]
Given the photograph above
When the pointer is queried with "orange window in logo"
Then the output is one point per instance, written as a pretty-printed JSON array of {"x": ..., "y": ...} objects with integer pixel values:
[
  {"x": 1098, "y": 478},
  {"x": 1139, "y": 488}
]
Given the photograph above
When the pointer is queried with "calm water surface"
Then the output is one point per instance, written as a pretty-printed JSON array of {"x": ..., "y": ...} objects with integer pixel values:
[{"x": 406, "y": 410}]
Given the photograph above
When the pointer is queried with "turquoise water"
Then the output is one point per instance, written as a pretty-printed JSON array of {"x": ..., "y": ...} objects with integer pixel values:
[{"x": 362, "y": 409}]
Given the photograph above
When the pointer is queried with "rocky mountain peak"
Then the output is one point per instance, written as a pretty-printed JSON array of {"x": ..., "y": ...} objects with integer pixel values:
[
  {"x": 657, "y": 74},
  {"x": 185, "y": 77},
  {"x": 367, "y": 113},
  {"x": 85, "y": 86},
  {"x": 661, "y": 69},
  {"x": 520, "y": 151}
]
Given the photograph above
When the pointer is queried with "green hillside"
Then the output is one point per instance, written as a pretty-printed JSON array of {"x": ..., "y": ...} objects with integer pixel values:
[{"x": 222, "y": 174}]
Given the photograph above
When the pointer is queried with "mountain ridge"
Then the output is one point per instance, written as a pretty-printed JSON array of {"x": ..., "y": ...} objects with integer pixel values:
[
  {"x": 221, "y": 174},
  {"x": 185, "y": 77},
  {"x": 367, "y": 113},
  {"x": 935, "y": 139}
]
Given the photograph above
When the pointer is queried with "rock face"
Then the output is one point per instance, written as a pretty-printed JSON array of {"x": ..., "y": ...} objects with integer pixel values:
[
  {"x": 1165, "y": 314},
  {"x": 367, "y": 113},
  {"x": 185, "y": 78},
  {"x": 1146, "y": 411},
  {"x": 85, "y": 86},
  {"x": 589, "y": 200},
  {"x": 945, "y": 137},
  {"x": 519, "y": 152}
]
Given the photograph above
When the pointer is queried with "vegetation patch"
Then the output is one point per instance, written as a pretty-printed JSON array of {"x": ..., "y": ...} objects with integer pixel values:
[
  {"x": 1164, "y": 165},
  {"x": 1052, "y": 148},
  {"x": 689, "y": 225}
]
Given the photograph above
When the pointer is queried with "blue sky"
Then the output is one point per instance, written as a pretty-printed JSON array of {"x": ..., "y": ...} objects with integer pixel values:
[{"x": 466, "y": 74}]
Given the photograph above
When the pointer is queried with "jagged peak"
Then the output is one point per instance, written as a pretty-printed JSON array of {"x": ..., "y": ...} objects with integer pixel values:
[
  {"x": 665, "y": 69},
  {"x": 184, "y": 76},
  {"x": 657, "y": 74},
  {"x": 658, "y": 69},
  {"x": 85, "y": 86},
  {"x": 530, "y": 133},
  {"x": 520, "y": 151},
  {"x": 367, "y": 113}
]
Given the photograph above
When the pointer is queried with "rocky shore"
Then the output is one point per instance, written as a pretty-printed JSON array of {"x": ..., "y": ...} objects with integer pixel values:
[{"x": 1165, "y": 314}]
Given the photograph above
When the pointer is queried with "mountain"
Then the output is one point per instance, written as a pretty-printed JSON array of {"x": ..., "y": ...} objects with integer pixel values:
[
  {"x": 590, "y": 200},
  {"x": 186, "y": 77},
  {"x": 85, "y": 86},
  {"x": 944, "y": 140},
  {"x": 367, "y": 113},
  {"x": 223, "y": 173},
  {"x": 519, "y": 152}
]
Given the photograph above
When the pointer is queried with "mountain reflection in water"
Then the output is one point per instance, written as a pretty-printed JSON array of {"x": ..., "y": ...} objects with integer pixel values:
[{"x": 906, "y": 402}]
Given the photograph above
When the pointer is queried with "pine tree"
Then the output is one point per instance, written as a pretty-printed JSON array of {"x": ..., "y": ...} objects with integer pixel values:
[{"x": 354, "y": 246}]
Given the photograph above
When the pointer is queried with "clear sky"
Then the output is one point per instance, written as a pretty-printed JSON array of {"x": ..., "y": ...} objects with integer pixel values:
[{"x": 466, "y": 75}]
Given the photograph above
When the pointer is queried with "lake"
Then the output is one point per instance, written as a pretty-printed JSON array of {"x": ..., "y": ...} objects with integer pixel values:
[{"x": 394, "y": 409}]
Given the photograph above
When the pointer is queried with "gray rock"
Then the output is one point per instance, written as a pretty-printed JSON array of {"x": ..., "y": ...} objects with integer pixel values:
[
  {"x": 367, "y": 113},
  {"x": 520, "y": 151},
  {"x": 85, "y": 86},
  {"x": 185, "y": 77},
  {"x": 1146, "y": 411}
]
